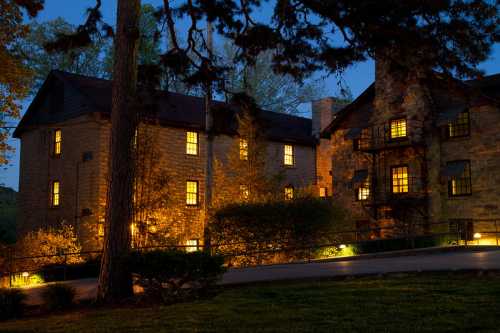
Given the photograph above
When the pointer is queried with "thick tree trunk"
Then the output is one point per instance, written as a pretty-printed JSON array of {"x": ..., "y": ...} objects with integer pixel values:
[{"x": 115, "y": 281}]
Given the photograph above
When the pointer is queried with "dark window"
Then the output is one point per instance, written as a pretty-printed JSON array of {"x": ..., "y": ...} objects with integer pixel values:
[
  {"x": 462, "y": 228},
  {"x": 460, "y": 127},
  {"x": 460, "y": 183}
]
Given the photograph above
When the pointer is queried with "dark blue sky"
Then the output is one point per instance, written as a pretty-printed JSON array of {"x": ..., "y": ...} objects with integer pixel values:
[{"x": 357, "y": 77}]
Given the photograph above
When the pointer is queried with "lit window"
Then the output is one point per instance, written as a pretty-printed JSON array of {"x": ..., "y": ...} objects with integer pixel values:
[
  {"x": 398, "y": 128},
  {"x": 363, "y": 192},
  {"x": 243, "y": 149},
  {"x": 323, "y": 192},
  {"x": 288, "y": 155},
  {"x": 462, "y": 183},
  {"x": 288, "y": 193},
  {"x": 192, "y": 143},
  {"x": 460, "y": 127},
  {"x": 244, "y": 192},
  {"x": 57, "y": 142},
  {"x": 100, "y": 227},
  {"x": 191, "y": 193},
  {"x": 400, "y": 179},
  {"x": 192, "y": 245},
  {"x": 56, "y": 194}
]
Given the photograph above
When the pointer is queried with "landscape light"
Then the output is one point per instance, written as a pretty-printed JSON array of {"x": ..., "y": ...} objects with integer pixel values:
[
  {"x": 342, "y": 246},
  {"x": 26, "y": 274},
  {"x": 477, "y": 235}
]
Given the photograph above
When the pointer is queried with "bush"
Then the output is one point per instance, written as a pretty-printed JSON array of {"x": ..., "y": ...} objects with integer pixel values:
[
  {"x": 276, "y": 230},
  {"x": 58, "y": 296},
  {"x": 176, "y": 275},
  {"x": 60, "y": 272},
  {"x": 11, "y": 303}
]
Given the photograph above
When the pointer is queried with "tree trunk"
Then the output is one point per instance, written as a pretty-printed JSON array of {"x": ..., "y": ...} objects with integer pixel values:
[
  {"x": 115, "y": 280},
  {"x": 210, "y": 145}
]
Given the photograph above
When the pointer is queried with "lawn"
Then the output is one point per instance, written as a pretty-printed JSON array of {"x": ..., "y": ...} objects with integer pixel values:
[{"x": 430, "y": 302}]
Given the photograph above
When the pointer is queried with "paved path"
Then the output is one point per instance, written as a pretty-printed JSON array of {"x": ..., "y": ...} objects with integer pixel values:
[{"x": 462, "y": 260}]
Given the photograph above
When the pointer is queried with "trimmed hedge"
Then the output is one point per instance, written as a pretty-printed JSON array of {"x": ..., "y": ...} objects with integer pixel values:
[
  {"x": 58, "y": 296},
  {"x": 60, "y": 272},
  {"x": 11, "y": 303}
]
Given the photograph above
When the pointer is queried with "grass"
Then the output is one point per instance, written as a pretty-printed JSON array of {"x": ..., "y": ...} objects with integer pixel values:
[{"x": 431, "y": 302}]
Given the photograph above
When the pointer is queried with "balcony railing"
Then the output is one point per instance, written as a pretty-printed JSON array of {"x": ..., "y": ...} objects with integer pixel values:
[
  {"x": 386, "y": 190},
  {"x": 379, "y": 138}
]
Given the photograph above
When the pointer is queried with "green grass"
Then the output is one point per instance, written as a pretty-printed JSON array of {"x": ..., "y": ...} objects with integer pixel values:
[{"x": 431, "y": 302}]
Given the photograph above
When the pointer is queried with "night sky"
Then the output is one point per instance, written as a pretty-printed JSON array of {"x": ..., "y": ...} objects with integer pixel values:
[{"x": 357, "y": 77}]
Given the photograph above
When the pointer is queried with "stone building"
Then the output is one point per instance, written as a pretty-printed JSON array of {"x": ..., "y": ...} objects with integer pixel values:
[
  {"x": 426, "y": 160},
  {"x": 65, "y": 137}
]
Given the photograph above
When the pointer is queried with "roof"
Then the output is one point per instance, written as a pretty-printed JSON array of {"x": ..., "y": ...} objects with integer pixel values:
[
  {"x": 168, "y": 108},
  {"x": 357, "y": 114}
]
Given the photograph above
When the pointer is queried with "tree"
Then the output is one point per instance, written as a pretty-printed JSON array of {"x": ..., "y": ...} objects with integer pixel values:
[
  {"x": 271, "y": 91},
  {"x": 85, "y": 60},
  {"x": 149, "y": 46},
  {"x": 114, "y": 279},
  {"x": 14, "y": 75}
]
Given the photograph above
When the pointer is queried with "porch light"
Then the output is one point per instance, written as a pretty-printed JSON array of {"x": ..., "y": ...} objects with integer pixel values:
[{"x": 477, "y": 235}]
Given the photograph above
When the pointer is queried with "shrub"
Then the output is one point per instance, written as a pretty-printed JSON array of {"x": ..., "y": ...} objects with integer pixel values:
[
  {"x": 276, "y": 230},
  {"x": 58, "y": 296},
  {"x": 59, "y": 272},
  {"x": 175, "y": 275},
  {"x": 11, "y": 303}
]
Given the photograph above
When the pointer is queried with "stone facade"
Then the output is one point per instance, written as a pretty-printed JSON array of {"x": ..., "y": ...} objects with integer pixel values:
[{"x": 360, "y": 140}]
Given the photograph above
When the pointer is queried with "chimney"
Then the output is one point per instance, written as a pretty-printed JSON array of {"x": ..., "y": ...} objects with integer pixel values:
[{"x": 323, "y": 111}]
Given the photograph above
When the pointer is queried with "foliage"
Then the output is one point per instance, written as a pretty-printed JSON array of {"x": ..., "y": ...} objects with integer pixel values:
[
  {"x": 84, "y": 60},
  {"x": 263, "y": 232},
  {"x": 7, "y": 215},
  {"x": 50, "y": 243},
  {"x": 271, "y": 91},
  {"x": 176, "y": 275},
  {"x": 58, "y": 296},
  {"x": 74, "y": 271},
  {"x": 18, "y": 280},
  {"x": 14, "y": 76},
  {"x": 11, "y": 303},
  {"x": 149, "y": 46}
]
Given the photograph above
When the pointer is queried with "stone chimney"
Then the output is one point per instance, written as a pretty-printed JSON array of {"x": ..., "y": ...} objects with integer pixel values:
[{"x": 323, "y": 111}]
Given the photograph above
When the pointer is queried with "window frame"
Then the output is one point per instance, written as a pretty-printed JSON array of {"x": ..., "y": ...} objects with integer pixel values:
[
  {"x": 196, "y": 194},
  {"x": 243, "y": 149},
  {"x": 290, "y": 156},
  {"x": 189, "y": 144},
  {"x": 469, "y": 178},
  {"x": 397, "y": 138},
  {"x": 244, "y": 192},
  {"x": 394, "y": 167},
  {"x": 291, "y": 195},
  {"x": 57, "y": 142},
  {"x": 53, "y": 194},
  {"x": 460, "y": 127},
  {"x": 192, "y": 248},
  {"x": 323, "y": 192}
]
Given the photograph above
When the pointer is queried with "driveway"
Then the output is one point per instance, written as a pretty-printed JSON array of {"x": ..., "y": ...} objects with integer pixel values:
[{"x": 450, "y": 261}]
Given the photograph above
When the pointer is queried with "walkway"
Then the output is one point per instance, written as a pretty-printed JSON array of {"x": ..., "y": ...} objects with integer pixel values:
[{"x": 450, "y": 261}]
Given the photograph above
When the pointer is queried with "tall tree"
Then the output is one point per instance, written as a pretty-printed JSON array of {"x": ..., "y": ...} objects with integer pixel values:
[
  {"x": 271, "y": 91},
  {"x": 115, "y": 280},
  {"x": 84, "y": 60},
  {"x": 14, "y": 75}
]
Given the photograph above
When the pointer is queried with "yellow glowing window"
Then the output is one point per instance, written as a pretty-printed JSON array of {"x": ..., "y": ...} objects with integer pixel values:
[
  {"x": 192, "y": 245},
  {"x": 192, "y": 143},
  {"x": 244, "y": 192},
  {"x": 56, "y": 194},
  {"x": 100, "y": 228},
  {"x": 363, "y": 191},
  {"x": 191, "y": 193},
  {"x": 243, "y": 149},
  {"x": 323, "y": 192},
  {"x": 398, "y": 128},
  {"x": 400, "y": 179},
  {"x": 57, "y": 142},
  {"x": 288, "y": 193},
  {"x": 288, "y": 155}
]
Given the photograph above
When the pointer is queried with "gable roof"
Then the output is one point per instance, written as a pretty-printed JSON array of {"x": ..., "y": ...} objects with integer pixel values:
[
  {"x": 357, "y": 114},
  {"x": 168, "y": 108}
]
